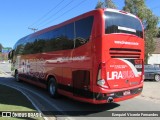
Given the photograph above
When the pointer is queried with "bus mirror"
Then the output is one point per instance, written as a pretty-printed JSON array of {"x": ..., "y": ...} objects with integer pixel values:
[{"x": 10, "y": 55}]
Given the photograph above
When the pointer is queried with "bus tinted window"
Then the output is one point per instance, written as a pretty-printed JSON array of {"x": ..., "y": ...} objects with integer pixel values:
[
  {"x": 68, "y": 41},
  {"x": 83, "y": 30},
  {"x": 120, "y": 23},
  {"x": 61, "y": 38}
]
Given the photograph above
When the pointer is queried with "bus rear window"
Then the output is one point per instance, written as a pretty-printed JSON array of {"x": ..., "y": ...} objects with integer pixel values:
[{"x": 120, "y": 23}]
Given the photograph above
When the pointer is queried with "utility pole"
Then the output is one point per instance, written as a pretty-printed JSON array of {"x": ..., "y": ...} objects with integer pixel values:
[{"x": 34, "y": 29}]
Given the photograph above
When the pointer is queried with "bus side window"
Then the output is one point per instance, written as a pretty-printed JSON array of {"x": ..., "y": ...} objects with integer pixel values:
[
  {"x": 83, "y": 30},
  {"x": 68, "y": 42}
]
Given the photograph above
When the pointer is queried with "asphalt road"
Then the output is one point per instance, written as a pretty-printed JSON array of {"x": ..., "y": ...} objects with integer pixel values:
[{"x": 77, "y": 110}]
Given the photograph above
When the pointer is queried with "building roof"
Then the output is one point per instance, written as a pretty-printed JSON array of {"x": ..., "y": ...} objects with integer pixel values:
[{"x": 157, "y": 50}]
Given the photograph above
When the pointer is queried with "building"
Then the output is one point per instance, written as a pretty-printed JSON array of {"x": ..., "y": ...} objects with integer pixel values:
[
  {"x": 155, "y": 57},
  {"x": 4, "y": 53}
]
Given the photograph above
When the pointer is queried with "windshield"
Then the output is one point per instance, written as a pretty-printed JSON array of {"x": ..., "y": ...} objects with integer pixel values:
[{"x": 121, "y": 23}]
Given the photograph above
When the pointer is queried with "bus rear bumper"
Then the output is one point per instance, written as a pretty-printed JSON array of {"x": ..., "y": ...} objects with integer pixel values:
[
  {"x": 116, "y": 96},
  {"x": 102, "y": 98}
]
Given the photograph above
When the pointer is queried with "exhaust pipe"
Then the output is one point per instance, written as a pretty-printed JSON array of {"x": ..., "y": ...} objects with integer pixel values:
[{"x": 110, "y": 100}]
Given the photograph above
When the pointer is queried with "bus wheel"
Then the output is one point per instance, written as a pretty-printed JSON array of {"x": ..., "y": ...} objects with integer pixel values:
[
  {"x": 157, "y": 77},
  {"x": 52, "y": 88},
  {"x": 17, "y": 76}
]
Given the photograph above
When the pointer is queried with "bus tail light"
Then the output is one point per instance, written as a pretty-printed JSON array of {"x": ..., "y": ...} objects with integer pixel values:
[{"x": 101, "y": 78}]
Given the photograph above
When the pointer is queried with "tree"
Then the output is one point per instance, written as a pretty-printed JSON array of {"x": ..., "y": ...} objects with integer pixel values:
[
  {"x": 149, "y": 21},
  {"x": 99, "y": 5},
  {"x": 106, "y": 4},
  {"x": 110, "y": 4},
  {"x": 1, "y": 47}
]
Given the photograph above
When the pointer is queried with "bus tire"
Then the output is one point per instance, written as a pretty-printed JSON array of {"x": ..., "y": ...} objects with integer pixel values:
[
  {"x": 16, "y": 76},
  {"x": 52, "y": 88}
]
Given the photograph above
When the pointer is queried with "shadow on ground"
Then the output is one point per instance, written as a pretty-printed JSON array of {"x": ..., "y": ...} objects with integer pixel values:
[{"x": 68, "y": 106}]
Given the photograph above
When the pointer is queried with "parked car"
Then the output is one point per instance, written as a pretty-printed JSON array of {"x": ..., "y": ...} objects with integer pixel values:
[{"x": 152, "y": 72}]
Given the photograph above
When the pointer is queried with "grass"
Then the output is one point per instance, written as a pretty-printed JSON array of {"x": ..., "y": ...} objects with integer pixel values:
[{"x": 12, "y": 100}]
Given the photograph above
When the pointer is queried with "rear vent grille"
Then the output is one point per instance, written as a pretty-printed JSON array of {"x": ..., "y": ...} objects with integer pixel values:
[{"x": 124, "y": 53}]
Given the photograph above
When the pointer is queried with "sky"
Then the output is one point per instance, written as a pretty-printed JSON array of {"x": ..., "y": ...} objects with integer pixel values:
[{"x": 17, "y": 17}]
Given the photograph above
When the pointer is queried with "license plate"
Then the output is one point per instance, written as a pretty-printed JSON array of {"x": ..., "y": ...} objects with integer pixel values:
[{"x": 126, "y": 92}]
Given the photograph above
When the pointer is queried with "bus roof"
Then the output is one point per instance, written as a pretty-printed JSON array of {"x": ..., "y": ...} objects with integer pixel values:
[
  {"x": 93, "y": 12},
  {"x": 120, "y": 11},
  {"x": 69, "y": 21}
]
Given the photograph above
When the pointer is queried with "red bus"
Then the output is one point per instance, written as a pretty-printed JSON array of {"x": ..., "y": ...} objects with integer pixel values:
[{"x": 96, "y": 57}]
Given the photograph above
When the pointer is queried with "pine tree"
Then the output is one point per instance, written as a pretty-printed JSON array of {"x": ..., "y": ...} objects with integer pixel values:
[
  {"x": 110, "y": 4},
  {"x": 149, "y": 21},
  {"x": 106, "y": 4},
  {"x": 99, "y": 5}
]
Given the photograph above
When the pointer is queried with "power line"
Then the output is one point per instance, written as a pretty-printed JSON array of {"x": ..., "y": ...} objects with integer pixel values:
[
  {"x": 64, "y": 13},
  {"x": 47, "y": 13},
  {"x": 60, "y": 10}
]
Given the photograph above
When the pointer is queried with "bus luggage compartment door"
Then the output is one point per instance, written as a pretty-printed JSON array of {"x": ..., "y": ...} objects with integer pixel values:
[{"x": 81, "y": 82}]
